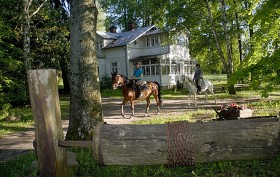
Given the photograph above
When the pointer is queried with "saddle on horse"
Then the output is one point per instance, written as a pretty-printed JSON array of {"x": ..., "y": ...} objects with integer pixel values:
[{"x": 138, "y": 87}]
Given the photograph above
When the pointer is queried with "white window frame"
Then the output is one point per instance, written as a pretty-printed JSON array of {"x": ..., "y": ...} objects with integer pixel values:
[{"x": 114, "y": 67}]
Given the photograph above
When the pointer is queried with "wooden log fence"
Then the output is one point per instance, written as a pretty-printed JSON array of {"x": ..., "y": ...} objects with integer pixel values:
[{"x": 248, "y": 139}]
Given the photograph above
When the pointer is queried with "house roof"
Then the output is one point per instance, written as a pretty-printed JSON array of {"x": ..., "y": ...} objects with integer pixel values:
[
  {"x": 107, "y": 35},
  {"x": 124, "y": 38}
]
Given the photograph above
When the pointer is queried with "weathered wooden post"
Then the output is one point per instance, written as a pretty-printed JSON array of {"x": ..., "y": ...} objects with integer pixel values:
[{"x": 48, "y": 126}]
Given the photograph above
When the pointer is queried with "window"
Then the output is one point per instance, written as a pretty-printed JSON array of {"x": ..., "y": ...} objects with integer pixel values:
[
  {"x": 153, "y": 41},
  {"x": 148, "y": 42},
  {"x": 146, "y": 70},
  {"x": 146, "y": 67},
  {"x": 114, "y": 67},
  {"x": 165, "y": 69},
  {"x": 155, "y": 68},
  {"x": 151, "y": 67},
  {"x": 156, "y": 41},
  {"x": 99, "y": 45},
  {"x": 189, "y": 67}
]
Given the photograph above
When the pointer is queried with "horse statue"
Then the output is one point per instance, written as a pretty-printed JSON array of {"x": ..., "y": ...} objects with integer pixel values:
[
  {"x": 130, "y": 93},
  {"x": 207, "y": 86}
]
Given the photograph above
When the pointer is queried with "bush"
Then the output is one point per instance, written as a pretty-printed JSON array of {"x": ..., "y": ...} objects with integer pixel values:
[{"x": 105, "y": 83}]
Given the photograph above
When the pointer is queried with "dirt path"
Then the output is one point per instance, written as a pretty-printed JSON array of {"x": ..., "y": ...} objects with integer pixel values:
[{"x": 21, "y": 142}]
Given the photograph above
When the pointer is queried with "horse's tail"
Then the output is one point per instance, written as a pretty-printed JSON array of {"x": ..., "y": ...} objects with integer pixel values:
[{"x": 159, "y": 92}]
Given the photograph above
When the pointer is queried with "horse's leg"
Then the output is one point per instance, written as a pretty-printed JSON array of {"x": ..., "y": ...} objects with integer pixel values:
[
  {"x": 212, "y": 92},
  {"x": 132, "y": 107},
  {"x": 158, "y": 104},
  {"x": 189, "y": 99},
  {"x": 148, "y": 106},
  {"x": 195, "y": 100},
  {"x": 205, "y": 97},
  {"x": 123, "y": 103},
  {"x": 214, "y": 98}
]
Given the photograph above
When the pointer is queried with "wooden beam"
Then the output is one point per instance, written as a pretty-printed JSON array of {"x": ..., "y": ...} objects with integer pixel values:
[
  {"x": 48, "y": 127},
  {"x": 245, "y": 139},
  {"x": 68, "y": 143}
]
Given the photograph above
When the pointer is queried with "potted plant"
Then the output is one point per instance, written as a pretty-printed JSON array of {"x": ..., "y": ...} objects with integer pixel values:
[{"x": 234, "y": 111}]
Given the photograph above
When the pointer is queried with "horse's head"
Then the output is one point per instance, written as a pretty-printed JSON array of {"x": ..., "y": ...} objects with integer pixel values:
[{"x": 117, "y": 80}]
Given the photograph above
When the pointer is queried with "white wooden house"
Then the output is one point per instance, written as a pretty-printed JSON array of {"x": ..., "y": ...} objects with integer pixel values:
[{"x": 162, "y": 62}]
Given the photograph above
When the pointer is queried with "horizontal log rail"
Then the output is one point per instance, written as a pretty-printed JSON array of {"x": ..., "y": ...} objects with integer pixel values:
[{"x": 68, "y": 143}]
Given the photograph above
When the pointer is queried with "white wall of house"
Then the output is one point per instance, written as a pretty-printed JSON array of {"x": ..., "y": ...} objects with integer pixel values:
[
  {"x": 115, "y": 58},
  {"x": 101, "y": 67}
]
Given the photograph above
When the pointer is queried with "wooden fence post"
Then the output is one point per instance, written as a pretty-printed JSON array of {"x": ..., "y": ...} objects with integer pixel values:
[{"x": 48, "y": 127}]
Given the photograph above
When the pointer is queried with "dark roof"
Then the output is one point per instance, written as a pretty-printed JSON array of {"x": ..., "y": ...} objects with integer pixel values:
[
  {"x": 107, "y": 35},
  {"x": 156, "y": 31},
  {"x": 127, "y": 37}
]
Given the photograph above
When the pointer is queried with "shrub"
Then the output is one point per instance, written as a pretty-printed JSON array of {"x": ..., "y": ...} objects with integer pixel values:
[{"x": 105, "y": 82}]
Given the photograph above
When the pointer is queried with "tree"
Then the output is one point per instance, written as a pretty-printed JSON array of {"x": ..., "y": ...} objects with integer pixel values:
[
  {"x": 12, "y": 71},
  {"x": 142, "y": 12},
  {"x": 27, "y": 15},
  {"x": 262, "y": 60},
  {"x": 85, "y": 98}
]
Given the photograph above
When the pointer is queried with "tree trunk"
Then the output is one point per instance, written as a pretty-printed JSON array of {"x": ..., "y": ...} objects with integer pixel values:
[
  {"x": 238, "y": 35},
  {"x": 213, "y": 28},
  {"x": 26, "y": 33},
  {"x": 85, "y": 98},
  {"x": 26, "y": 30},
  {"x": 64, "y": 66},
  {"x": 231, "y": 89}
]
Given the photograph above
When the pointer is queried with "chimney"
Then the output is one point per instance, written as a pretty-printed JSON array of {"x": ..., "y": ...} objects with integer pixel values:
[
  {"x": 113, "y": 29},
  {"x": 131, "y": 26}
]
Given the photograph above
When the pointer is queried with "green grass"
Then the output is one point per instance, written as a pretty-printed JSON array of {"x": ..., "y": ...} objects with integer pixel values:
[
  {"x": 25, "y": 121},
  {"x": 261, "y": 108},
  {"x": 191, "y": 116},
  {"x": 18, "y": 167},
  {"x": 270, "y": 168}
]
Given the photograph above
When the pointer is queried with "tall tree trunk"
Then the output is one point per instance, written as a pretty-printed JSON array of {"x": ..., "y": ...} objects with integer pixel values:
[
  {"x": 26, "y": 30},
  {"x": 228, "y": 45},
  {"x": 85, "y": 98},
  {"x": 64, "y": 66},
  {"x": 238, "y": 34},
  {"x": 213, "y": 28},
  {"x": 26, "y": 34}
]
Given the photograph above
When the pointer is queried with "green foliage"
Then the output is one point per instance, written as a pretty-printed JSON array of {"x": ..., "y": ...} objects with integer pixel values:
[
  {"x": 105, "y": 83},
  {"x": 49, "y": 44},
  {"x": 12, "y": 73},
  {"x": 142, "y": 12},
  {"x": 264, "y": 74}
]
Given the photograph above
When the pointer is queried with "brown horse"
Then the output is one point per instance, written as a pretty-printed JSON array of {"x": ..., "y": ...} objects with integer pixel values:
[{"x": 130, "y": 93}]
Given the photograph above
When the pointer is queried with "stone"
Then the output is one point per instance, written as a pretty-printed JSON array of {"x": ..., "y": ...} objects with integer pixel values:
[{"x": 73, "y": 165}]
